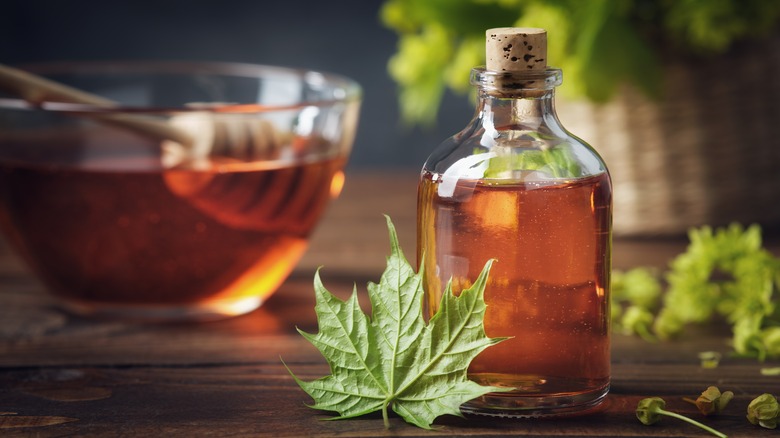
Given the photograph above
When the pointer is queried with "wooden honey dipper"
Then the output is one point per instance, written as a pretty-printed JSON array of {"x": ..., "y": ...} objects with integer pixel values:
[
  {"x": 188, "y": 140},
  {"x": 187, "y": 137},
  {"x": 37, "y": 90}
]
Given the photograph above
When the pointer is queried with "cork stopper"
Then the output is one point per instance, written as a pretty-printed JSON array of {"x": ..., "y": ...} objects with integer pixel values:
[{"x": 516, "y": 49}]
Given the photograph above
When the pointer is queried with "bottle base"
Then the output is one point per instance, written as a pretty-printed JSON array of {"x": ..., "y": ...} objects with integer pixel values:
[
  {"x": 521, "y": 404},
  {"x": 210, "y": 311}
]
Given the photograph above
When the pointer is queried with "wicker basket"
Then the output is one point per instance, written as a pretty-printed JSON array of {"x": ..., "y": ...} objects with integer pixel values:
[{"x": 707, "y": 153}]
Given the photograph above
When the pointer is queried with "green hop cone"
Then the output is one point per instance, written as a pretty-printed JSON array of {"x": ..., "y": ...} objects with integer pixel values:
[
  {"x": 638, "y": 320},
  {"x": 763, "y": 411}
]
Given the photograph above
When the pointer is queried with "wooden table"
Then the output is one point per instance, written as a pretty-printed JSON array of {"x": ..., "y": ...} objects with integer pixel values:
[{"x": 62, "y": 375}]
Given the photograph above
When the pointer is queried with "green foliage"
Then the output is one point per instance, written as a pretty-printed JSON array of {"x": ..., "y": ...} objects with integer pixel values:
[
  {"x": 711, "y": 26},
  {"x": 724, "y": 272},
  {"x": 440, "y": 41},
  {"x": 417, "y": 68},
  {"x": 636, "y": 295},
  {"x": 598, "y": 43},
  {"x": 394, "y": 359}
]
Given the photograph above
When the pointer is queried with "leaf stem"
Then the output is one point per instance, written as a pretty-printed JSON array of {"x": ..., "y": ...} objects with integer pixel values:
[
  {"x": 693, "y": 422},
  {"x": 384, "y": 415},
  {"x": 689, "y": 400}
]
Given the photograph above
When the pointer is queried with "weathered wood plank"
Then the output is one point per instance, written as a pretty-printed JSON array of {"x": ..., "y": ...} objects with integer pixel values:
[{"x": 265, "y": 401}]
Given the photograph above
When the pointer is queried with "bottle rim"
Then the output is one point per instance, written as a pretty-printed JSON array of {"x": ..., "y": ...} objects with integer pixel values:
[{"x": 502, "y": 81}]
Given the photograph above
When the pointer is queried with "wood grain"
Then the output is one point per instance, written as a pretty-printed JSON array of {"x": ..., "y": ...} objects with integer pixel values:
[
  {"x": 62, "y": 375},
  {"x": 262, "y": 400}
]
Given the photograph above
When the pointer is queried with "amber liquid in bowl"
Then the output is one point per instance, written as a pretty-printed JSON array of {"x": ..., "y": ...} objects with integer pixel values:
[{"x": 115, "y": 233}]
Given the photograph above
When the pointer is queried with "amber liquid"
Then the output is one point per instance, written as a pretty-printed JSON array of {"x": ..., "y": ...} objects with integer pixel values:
[
  {"x": 548, "y": 289},
  {"x": 121, "y": 231}
]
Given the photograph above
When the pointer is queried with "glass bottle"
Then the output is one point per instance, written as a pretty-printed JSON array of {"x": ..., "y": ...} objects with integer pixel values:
[{"x": 515, "y": 186}]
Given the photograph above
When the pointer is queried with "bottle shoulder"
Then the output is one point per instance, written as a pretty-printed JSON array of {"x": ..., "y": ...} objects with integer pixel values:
[{"x": 507, "y": 152}]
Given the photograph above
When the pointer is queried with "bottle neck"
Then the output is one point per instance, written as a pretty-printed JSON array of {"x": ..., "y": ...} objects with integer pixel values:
[
  {"x": 516, "y": 104},
  {"x": 530, "y": 113}
]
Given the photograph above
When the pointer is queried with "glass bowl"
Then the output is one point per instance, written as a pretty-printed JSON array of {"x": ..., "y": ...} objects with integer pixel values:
[{"x": 184, "y": 191}]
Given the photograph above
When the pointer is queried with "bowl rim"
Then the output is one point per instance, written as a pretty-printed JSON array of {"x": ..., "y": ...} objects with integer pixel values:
[{"x": 352, "y": 92}]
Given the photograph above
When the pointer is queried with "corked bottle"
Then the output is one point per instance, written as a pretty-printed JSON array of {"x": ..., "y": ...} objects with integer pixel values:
[{"x": 515, "y": 186}]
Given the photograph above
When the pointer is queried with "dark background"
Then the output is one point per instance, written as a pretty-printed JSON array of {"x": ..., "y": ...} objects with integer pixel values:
[{"x": 344, "y": 37}]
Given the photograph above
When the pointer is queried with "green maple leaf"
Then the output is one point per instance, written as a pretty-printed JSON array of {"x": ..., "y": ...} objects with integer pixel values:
[{"x": 395, "y": 359}]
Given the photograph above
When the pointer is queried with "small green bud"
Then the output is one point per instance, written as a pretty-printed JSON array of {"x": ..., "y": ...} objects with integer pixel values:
[
  {"x": 770, "y": 371},
  {"x": 763, "y": 411},
  {"x": 647, "y": 410},
  {"x": 709, "y": 359}
]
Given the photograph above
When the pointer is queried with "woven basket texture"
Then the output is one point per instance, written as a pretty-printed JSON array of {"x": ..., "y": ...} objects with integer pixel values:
[{"x": 707, "y": 152}]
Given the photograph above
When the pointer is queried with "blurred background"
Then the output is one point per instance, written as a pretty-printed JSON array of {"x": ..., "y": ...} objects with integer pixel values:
[
  {"x": 681, "y": 98},
  {"x": 344, "y": 37}
]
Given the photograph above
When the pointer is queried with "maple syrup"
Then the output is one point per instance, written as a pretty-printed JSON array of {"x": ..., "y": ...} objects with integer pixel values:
[
  {"x": 123, "y": 233},
  {"x": 547, "y": 288}
]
